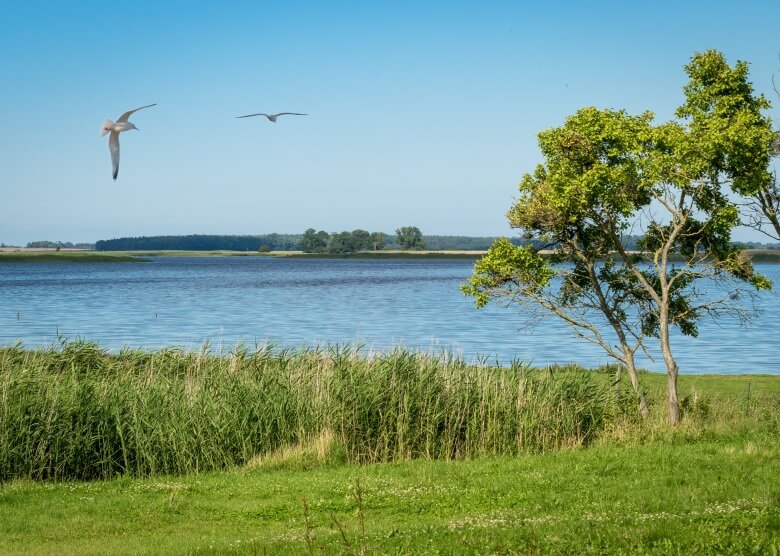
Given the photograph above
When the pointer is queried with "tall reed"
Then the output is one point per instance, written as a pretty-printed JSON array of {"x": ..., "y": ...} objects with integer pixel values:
[{"x": 75, "y": 411}]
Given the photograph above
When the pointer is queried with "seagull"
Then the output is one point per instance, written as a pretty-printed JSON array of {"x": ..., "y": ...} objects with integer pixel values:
[
  {"x": 115, "y": 128},
  {"x": 272, "y": 117}
]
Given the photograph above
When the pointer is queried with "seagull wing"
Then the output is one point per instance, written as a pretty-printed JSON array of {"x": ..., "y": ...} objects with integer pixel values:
[
  {"x": 252, "y": 115},
  {"x": 113, "y": 145},
  {"x": 124, "y": 117},
  {"x": 291, "y": 114}
]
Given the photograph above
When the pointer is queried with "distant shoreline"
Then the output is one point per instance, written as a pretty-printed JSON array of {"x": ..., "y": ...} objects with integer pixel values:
[
  {"x": 25, "y": 254},
  {"x": 37, "y": 255},
  {"x": 81, "y": 255}
]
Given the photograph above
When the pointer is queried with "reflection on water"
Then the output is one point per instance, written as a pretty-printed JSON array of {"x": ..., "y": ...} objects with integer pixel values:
[{"x": 380, "y": 304}]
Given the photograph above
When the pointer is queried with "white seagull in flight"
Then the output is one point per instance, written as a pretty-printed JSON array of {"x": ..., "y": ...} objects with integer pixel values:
[
  {"x": 272, "y": 117},
  {"x": 115, "y": 128}
]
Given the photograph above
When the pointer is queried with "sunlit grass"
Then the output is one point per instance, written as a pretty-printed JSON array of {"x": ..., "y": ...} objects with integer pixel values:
[
  {"x": 712, "y": 497},
  {"x": 280, "y": 452},
  {"x": 77, "y": 412}
]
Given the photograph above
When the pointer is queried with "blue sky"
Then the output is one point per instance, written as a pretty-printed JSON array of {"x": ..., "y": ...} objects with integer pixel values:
[{"x": 420, "y": 113}]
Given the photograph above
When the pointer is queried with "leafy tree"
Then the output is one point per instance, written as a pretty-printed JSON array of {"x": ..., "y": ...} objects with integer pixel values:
[
  {"x": 48, "y": 244},
  {"x": 361, "y": 240},
  {"x": 410, "y": 237},
  {"x": 314, "y": 242},
  {"x": 323, "y": 240},
  {"x": 377, "y": 241},
  {"x": 563, "y": 205},
  {"x": 606, "y": 173},
  {"x": 733, "y": 134},
  {"x": 341, "y": 242}
]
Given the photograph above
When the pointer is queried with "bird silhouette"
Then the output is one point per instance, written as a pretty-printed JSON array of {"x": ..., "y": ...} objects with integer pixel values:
[
  {"x": 272, "y": 117},
  {"x": 115, "y": 128}
]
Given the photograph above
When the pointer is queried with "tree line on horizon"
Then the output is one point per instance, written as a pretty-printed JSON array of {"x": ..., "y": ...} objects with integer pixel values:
[
  {"x": 293, "y": 242},
  {"x": 339, "y": 242},
  {"x": 200, "y": 242},
  {"x": 57, "y": 245},
  {"x": 406, "y": 237},
  {"x": 310, "y": 241}
]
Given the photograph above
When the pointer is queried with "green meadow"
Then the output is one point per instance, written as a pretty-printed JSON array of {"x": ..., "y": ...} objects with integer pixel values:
[{"x": 340, "y": 451}]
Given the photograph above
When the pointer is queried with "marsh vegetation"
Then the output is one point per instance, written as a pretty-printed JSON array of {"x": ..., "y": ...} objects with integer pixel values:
[
  {"x": 75, "y": 411},
  {"x": 78, "y": 412}
]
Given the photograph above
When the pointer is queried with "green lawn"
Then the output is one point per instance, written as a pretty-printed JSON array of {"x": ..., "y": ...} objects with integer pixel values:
[
  {"x": 294, "y": 424},
  {"x": 716, "y": 497}
]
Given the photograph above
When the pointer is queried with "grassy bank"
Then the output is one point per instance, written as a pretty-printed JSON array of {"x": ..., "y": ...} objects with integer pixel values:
[
  {"x": 65, "y": 257},
  {"x": 764, "y": 255},
  {"x": 758, "y": 256},
  {"x": 392, "y": 255},
  {"x": 335, "y": 452},
  {"x": 172, "y": 253},
  {"x": 77, "y": 412},
  {"x": 302, "y": 255}
]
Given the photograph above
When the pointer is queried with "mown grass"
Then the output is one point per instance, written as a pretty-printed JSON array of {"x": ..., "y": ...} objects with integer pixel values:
[{"x": 711, "y": 497}]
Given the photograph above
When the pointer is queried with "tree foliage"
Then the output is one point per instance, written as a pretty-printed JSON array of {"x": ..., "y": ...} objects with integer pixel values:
[
  {"x": 59, "y": 244},
  {"x": 310, "y": 241},
  {"x": 341, "y": 242},
  {"x": 377, "y": 241},
  {"x": 410, "y": 237},
  {"x": 733, "y": 137},
  {"x": 606, "y": 174},
  {"x": 276, "y": 242},
  {"x": 314, "y": 241}
]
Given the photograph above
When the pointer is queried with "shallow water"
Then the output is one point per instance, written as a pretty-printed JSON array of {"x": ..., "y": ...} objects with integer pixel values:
[{"x": 379, "y": 304}]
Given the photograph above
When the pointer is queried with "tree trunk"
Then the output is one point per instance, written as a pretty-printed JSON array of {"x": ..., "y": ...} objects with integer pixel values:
[
  {"x": 674, "y": 405},
  {"x": 671, "y": 368},
  {"x": 644, "y": 411}
]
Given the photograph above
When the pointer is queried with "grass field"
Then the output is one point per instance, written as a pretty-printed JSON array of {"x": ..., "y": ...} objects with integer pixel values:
[
  {"x": 333, "y": 452},
  {"x": 717, "y": 496}
]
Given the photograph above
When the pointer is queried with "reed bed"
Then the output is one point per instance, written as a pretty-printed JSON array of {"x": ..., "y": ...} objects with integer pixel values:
[{"x": 76, "y": 411}]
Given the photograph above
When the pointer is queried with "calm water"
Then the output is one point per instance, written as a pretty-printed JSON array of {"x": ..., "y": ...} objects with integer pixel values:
[{"x": 185, "y": 301}]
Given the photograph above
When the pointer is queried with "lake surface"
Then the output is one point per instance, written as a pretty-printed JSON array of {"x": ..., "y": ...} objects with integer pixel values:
[{"x": 380, "y": 304}]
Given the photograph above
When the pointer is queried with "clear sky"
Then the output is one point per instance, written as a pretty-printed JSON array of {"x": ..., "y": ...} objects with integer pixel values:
[{"x": 419, "y": 113}]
